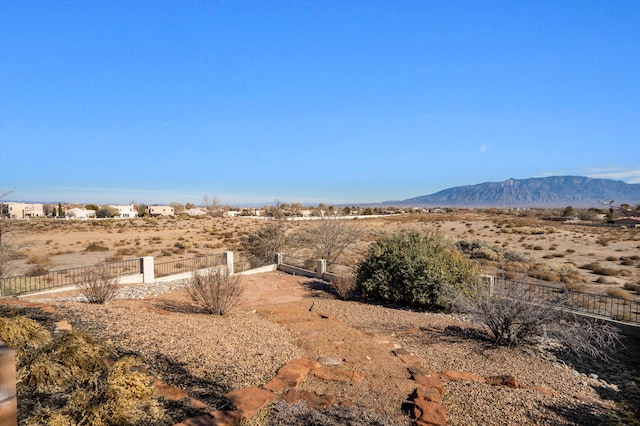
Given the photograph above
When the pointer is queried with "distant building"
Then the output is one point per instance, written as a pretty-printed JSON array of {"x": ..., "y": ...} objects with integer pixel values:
[
  {"x": 631, "y": 222},
  {"x": 231, "y": 213},
  {"x": 195, "y": 212},
  {"x": 77, "y": 213},
  {"x": 161, "y": 211},
  {"x": 22, "y": 210},
  {"x": 126, "y": 211}
]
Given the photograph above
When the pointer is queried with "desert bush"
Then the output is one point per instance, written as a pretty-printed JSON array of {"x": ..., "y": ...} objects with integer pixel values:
[
  {"x": 415, "y": 268},
  {"x": 21, "y": 332},
  {"x": 632, "y": 287},
  {"x": 597, "y": 268},
  {"x": 514, "y": 315},
  {"x": 262, "y": 244},
  {"x": 98, "y": 285},
  {"x": 96, "y": 247},
  {"x": 619, "y": 293},
  {"x": 345, "y": 286},
  {"x": 215, "y": 289},
  {"x": 64, "y": 362}
]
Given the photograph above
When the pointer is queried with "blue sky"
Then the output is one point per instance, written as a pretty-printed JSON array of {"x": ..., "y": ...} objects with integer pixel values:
[{"x": 312, "y": 101}]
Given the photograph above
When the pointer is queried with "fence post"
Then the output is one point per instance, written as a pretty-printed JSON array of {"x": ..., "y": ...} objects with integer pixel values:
[
  {"x": 278, "y": 259},
  {"x": 146, "y": 267},
  {"x": 321, "y": 267},
  {"x": 8, "y": 400},
  {"x": 227, "y": 258}
]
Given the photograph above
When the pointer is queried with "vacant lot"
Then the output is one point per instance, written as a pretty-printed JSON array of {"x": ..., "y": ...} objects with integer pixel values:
[{"x": 593, "y": 259}]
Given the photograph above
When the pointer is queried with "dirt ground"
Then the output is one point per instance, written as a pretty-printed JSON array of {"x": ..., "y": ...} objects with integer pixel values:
[
  {"x": 592, "y": 259},
  {"x": 284, "y": 317}
]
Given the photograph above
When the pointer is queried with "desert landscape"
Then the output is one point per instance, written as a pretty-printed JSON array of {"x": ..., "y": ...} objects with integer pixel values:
[
  {"x": 378, "y": 353},
  {"x": 595, "y": 259}
]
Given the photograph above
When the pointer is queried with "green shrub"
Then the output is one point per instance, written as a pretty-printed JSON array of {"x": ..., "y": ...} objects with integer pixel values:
[{"x": 416, "y": 268}]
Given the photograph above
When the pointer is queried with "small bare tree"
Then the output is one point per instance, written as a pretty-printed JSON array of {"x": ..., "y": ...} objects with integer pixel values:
[
  {"x": 516, "y": 315},
  {"x": 262, "y": 244},
  {"x": 98, "y": 285},
  {"x": 331, "y": 236},
  {"x": 215, "y": 289}
]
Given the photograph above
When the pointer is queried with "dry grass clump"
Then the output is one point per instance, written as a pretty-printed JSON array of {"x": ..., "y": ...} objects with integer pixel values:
[
  {"x": 73, "y": 358},
  {"x": 597, "y": 268},
  {"x": 632, "y": 287},
  {"x": 117, "y": 396},
  {"x": 20, "y": 332},
  {"x": 96, "y": 247},
  {"x": 619, "y": 293}
]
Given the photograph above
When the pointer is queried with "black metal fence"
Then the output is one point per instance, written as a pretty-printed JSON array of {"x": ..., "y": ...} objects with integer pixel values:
[
  {"x": 14, "y": 286},
  {"x": 615, "y": 308},
  {"x": 186, "y": 265}
]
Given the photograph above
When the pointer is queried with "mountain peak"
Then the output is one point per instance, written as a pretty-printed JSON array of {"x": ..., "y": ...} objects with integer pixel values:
[{"x": 552, "y": 191}]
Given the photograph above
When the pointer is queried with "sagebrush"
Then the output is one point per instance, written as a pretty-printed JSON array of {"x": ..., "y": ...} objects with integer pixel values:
[
  {"x": 98, "y": 285},
  {"x": 215, "y": 289}
]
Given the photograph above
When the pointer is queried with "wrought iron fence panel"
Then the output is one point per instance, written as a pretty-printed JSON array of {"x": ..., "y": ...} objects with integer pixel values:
[
  {"x": 186, "y": 265},
  {"x": 63, "y": 277}
]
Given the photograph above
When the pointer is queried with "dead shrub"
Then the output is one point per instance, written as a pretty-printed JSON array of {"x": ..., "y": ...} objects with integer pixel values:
[
  {"x": 619, "y": 293},
  {"x": 215, "y": 289},
  {"x": 20, "y": 332},
  {"x": 73, "y": 358},
  {"x": 632, "y": 287},
  {"x": 98, "y": 285},
  {"x": 345, "y": 286},
  {"x": 95, "y": 247},
  {"x": 514, "y": 315}
]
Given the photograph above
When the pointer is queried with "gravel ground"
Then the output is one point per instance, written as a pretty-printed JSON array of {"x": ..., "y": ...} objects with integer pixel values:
[{"x": 208, "y": 355}]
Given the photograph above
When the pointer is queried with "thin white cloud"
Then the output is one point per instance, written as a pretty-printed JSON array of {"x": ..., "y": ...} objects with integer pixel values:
[{"x": 484, "y": 147}]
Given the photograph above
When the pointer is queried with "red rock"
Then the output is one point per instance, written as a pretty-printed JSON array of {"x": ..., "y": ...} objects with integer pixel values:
[
  {"x": 461, "y": 375},
  {"x": 406, "y": 356},
  {"x": 506, "y": 380},
  {"x": 250, "y": 400},
  {"x": 433, "y": 382},
  {"x": 215, "y": 418},
  {"x": 429, "y": 394},
  {"x": 337, "y": 375},
  {"x": 429, "y": 413},
  {"x": 312, "y": 400},
  {"x": 196, "y": 404},
  {"x": 168, "y": 392},
  {"x": 541, "y": 389},
  {"x": 291, "y": 375}
]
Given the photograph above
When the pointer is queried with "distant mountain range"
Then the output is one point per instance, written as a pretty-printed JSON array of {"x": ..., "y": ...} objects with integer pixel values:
[{"x": 553, "y": 191}]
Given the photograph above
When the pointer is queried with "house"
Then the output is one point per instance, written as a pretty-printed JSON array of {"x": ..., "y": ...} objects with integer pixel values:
[
  {"x": 195, "y": 212},
  {"x": 126, "y": 211},
  {"x": 22, "y": 210},
  {"x": 231, "y": 213},
  {"x": 629, "y": 222},
  {"x": 161, "y": 211},
  {"x": 77, "y": 213}
]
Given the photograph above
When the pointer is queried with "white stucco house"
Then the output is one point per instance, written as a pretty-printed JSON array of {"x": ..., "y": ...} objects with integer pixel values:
[
  {"x": 126, "y": 211},
  {"x": 77, "y": 213}
]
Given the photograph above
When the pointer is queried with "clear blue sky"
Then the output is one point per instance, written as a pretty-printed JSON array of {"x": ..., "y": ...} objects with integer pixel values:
[{"x": 312, "y": 101}]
